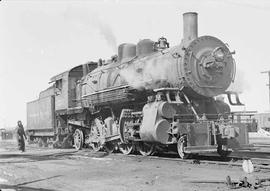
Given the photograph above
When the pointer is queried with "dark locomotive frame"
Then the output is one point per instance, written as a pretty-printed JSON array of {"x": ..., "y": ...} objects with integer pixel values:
[{"x": 93, "y": 105}]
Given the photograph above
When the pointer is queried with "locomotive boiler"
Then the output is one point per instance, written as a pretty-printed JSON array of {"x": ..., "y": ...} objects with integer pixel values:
[{"x": 149, "y": 97}]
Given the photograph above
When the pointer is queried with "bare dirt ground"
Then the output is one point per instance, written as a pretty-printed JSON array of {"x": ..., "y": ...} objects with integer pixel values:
[{"x": 55, "y": 169}]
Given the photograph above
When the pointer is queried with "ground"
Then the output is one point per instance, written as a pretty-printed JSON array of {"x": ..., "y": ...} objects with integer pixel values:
[{"x": 54, "y": 169}]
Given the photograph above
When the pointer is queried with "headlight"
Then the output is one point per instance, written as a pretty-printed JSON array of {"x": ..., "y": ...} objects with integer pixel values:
[{"x": 218, "y": 54}]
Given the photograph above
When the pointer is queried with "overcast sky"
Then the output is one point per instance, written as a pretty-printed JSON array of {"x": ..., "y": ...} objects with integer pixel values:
[{"x": 39, "y": 39}]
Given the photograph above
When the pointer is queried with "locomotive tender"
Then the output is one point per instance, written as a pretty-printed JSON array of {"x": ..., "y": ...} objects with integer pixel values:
[{"x": 150, "y": 97}]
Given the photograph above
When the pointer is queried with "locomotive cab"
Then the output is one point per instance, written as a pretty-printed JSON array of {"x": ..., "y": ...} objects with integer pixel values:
[
  {"x": 65, "y": 86},
  {"x": 50, "y": 111}
]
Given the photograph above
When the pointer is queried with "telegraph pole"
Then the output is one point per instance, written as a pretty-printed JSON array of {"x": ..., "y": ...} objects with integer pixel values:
[{"x": 268, "y": 72}]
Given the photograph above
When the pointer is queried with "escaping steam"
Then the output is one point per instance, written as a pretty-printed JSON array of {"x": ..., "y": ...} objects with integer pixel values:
[
  {"x": 92, "y": 21},
  {"x": 105, "y": 30},
  {"x": 154, "y": 74},
  {"x": 160, "y": 72},
  {"x": 239, "y": 84}
]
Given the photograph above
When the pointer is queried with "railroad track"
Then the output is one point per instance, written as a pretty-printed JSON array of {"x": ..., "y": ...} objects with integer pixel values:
[
  {"x": 260, "y": 159},
  {"x": 214, "y": 159}
]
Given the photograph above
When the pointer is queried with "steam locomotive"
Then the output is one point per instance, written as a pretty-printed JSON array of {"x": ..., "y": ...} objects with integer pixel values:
[{"x": 149, "y": 98}]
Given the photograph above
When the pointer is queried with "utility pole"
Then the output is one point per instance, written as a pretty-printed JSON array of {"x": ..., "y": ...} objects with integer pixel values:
[{"x": 268, "y": 72}]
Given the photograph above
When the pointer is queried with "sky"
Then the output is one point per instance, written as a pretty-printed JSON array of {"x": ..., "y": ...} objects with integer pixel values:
[{"x": 39, "y": 39}]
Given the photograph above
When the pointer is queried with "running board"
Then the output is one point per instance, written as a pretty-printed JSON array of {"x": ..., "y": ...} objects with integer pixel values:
[{"x": 247, "y": 147}]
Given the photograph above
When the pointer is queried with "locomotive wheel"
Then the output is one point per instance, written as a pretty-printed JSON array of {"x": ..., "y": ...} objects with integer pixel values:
[
  {"x": 78, "y": 139},
  {"x": 123, "y": 129},
  {"x": 181, "y": 145},
  {"x": 109, "y": 147},
  {"x": 45, "y": 141},
  {"x": 96, "y": 146},
  {"x": 146, "y": 149},
  {"x": 42, "y": 142},
  {"x": 126, "y": 148}
]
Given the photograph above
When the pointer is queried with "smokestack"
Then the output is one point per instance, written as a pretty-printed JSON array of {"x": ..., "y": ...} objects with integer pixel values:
[{"x": 190, "y": 26}]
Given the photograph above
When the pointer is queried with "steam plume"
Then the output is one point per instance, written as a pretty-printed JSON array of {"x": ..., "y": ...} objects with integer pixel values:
[
  {"x": 239, "y": 84},
  {"x": 89, "y": 21},
  {"x": 154, "y": 74},
  {"x": 106, "y": 31}
]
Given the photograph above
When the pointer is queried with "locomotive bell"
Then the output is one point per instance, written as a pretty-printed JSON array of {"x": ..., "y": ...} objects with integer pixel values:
[{"x": 161, "y": 44}]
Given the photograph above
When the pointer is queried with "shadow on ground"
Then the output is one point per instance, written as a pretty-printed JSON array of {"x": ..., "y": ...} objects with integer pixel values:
[
  {"x": 209, "y": 157},
  {"x": 34, "y": 157},
  {"x": 23, "y": 187},
  {"x": 20, "y": 157}
]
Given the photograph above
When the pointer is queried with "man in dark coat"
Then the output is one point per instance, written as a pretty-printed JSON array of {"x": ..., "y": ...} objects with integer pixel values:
[{"x": 20, "y": 136}]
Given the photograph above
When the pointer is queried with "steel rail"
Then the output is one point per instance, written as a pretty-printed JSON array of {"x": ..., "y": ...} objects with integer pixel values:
[{"x": 260, "y": 163}]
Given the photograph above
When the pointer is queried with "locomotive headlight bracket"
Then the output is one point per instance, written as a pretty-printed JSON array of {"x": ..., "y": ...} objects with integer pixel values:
[{"x": 219, "y": 54}]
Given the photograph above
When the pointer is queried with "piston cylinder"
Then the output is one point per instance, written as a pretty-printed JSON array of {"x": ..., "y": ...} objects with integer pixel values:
[
  {"x": 166, "y": 110},
  {"x": 155, "y": 126}
]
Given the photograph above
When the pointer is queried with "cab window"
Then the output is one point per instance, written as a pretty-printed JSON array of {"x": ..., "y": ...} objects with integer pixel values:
[{"x": 58, "y": 86}]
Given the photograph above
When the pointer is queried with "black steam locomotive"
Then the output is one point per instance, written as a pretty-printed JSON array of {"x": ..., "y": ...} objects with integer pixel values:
[{"x": 150, "y": 97}]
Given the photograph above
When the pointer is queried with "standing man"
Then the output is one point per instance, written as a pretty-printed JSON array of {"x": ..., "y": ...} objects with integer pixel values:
[{"x": 20, "y": 136}]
